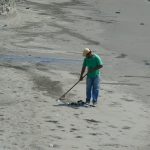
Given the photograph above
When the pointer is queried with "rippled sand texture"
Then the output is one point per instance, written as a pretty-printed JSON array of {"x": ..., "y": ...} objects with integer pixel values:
[{"x": 41, "y": 58}]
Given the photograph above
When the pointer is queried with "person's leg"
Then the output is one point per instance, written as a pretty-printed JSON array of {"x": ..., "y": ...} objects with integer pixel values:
[
  {"x": 96, "y": 89},
  {"x": 88, "y": 89}
]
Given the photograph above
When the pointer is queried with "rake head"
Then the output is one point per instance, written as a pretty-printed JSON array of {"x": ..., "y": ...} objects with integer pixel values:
[{"x": 61, "y": 98}]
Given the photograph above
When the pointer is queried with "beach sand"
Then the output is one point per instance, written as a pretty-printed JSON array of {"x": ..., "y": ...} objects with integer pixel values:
[{"x": 41, "y": 58}]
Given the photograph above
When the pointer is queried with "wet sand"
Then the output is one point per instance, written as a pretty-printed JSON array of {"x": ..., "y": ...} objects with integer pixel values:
[{"x": 41, "y": 58}]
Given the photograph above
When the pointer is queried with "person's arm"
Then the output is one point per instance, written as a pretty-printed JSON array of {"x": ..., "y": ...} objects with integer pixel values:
[
  {"x": 94, "y": 69},
  {"x": 82, "y": 72}
]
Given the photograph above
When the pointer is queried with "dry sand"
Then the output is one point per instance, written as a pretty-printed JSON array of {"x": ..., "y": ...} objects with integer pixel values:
[{"x": 40, "y": 58}]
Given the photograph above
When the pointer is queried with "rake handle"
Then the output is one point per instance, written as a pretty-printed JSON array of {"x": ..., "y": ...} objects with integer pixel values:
[{"x": 73, "y": 86}]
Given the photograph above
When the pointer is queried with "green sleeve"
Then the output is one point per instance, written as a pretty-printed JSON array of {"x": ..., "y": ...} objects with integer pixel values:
[{"x": 84, "y": 63}]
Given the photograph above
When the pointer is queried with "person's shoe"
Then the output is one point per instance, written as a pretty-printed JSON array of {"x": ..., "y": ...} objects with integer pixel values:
[
  {"x": 87, "y": 104},
  {"x": 94, "y": 104}
]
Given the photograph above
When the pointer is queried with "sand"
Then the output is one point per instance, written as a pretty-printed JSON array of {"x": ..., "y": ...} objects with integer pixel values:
[{"x": 41, "y": 58}]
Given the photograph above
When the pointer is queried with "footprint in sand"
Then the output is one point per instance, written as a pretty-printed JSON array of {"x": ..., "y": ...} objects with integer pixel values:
[
  {"x": 146, "y": 62},
  {"x": 112, "y": 126},
  {"x": 94, "y": 134},
  {"x": 127, "y": 100},
  {"x": 76, "y": 115},
  {"x": 79, "y": 136},
  {"x": 109, "y": 91},
  {"x": 126, "y": 127},
  {"x": 122, "y": 55},
  {"x": 115, "y": 104},
  {"x": 1, "y": 132},
  {"x": 52, "y": 121},
  {"x": 60, "y": 126},
  {"x": 73, "y": 129},
  {"x": 92, "y": 121}
]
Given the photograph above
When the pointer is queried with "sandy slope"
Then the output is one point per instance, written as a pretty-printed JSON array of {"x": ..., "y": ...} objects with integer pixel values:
[
  {"x": 31, "y": 119},
  {"x": 40, "y": 58}
]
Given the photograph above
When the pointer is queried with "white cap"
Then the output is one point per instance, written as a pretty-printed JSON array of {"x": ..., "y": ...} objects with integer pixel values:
[{"x": 86, "y": 51}]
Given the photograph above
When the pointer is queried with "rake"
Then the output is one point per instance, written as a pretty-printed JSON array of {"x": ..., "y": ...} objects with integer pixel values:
[{"x": 63, "y": 96}]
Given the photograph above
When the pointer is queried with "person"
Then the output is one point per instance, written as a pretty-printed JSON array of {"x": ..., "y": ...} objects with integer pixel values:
[{"x": 93, "y": 63}]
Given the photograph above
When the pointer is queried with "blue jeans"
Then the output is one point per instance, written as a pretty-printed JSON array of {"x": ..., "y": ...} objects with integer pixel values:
[{"x": 92, "y": 89}]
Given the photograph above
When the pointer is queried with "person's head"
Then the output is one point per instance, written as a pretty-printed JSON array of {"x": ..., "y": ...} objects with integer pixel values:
[{"x": 87, "y": 52}]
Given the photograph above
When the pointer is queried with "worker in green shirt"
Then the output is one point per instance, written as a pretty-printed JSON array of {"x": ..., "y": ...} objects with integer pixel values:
[{"x": 93, "y": 63}]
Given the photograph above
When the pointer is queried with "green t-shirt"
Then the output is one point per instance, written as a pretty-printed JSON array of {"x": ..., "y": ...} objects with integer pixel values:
[{"x": 91, "y": 63}]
